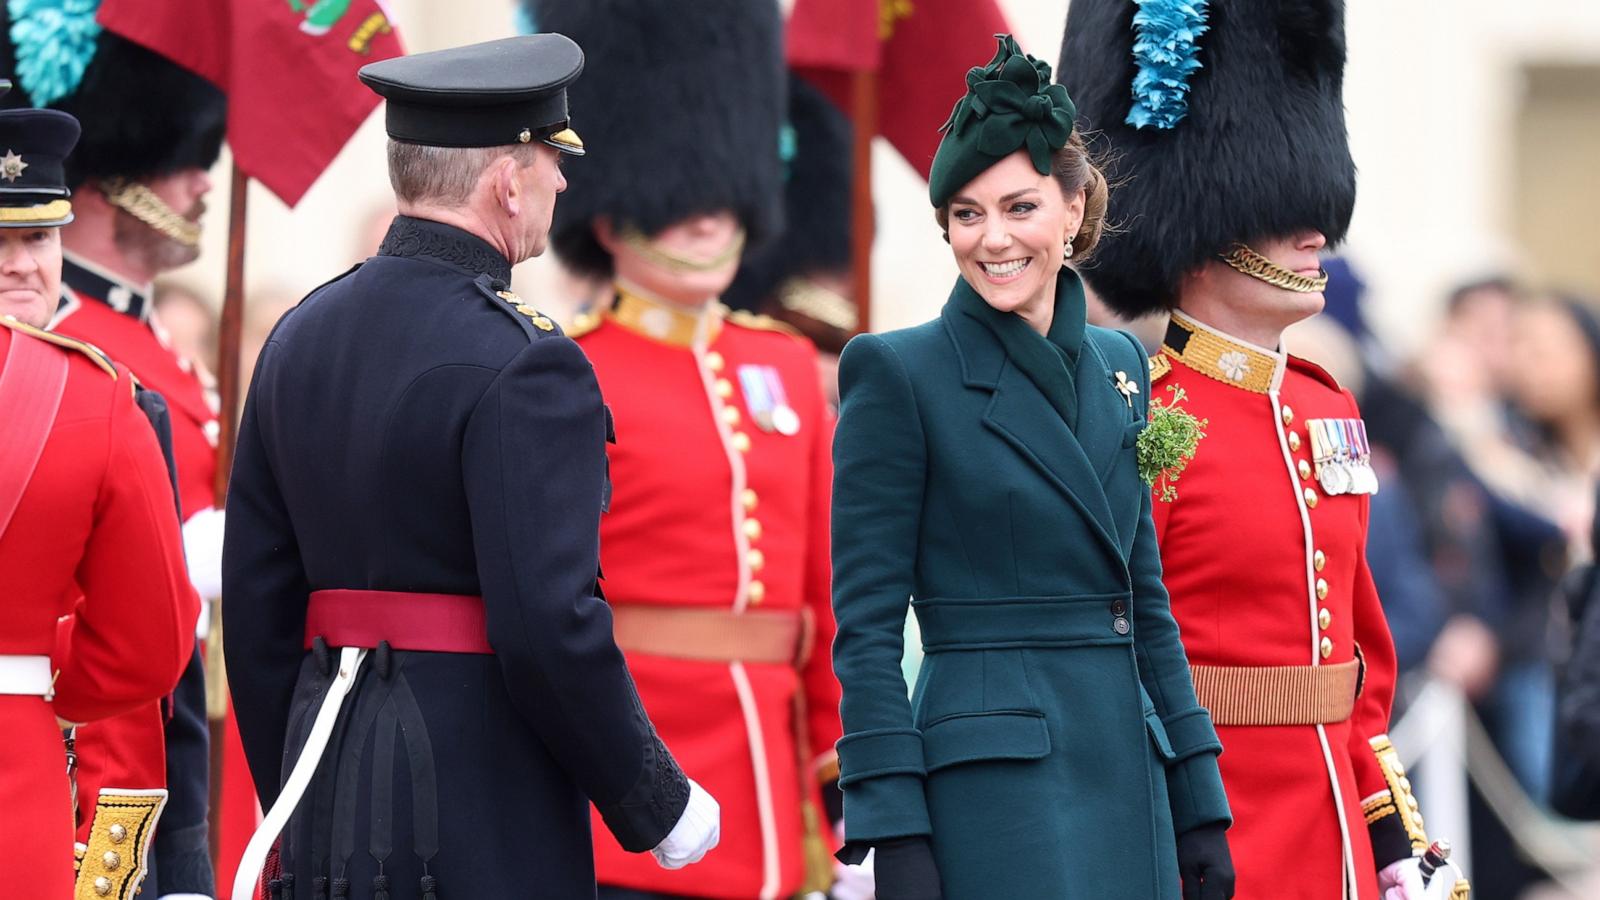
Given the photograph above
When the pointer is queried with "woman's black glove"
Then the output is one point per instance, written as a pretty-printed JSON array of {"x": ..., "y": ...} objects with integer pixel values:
[
  {"x": 905, "y": 870},
  {"x": 1204, "y": 863}
]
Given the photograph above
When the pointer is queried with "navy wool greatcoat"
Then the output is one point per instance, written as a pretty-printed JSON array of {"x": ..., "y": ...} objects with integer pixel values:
[
  {"x": 1053, "y": 745},
  {"x": 410, "y": 429}
]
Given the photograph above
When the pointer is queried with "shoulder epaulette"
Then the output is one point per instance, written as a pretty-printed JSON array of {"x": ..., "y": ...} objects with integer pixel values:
[
  {"x": 583, "y": 323},
  {"x": 1160, "y": 365},
  {"x": 762, "y": 323},
  {"x": 535, "y": 323},
  {"x": 60, "y": 340}
]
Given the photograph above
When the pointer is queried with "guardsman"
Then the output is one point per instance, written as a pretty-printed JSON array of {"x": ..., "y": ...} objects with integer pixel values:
[
  {"x": 1230, "y": 185},
  {"x": 716, "y": 547},
  {"x": 413, "y": 538},
  {"x": 87, "y": 531},
  {"x": 151, "y": 130}
]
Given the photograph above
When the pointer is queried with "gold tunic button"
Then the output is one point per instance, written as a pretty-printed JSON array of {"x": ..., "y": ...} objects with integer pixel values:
[
  {"x": 119, "y": 833},
  {"x": 111, "y": 860},
  {"x": 757, "y": 560},
  {"x": 1322, "y": 589},
  {"x": 752, "y": 529},
  {"x": 714, "y": 361},
  {"x": 1294, "y": 440},
  {"x": 741, "y": 442},
  {"x": 723, "y": 387},
  {"x": 1304, "y": 468},
  {"x": 102, "y": 885},
  {"x": 1311, "y": 498},
  {"x": 1326, "y": 647},
  {"x": 757, "y": 592},
  {"x": 1288, "y": 414},
  {"x": 749, "y": 499},
  {"x": 1319, "y": 560},
  {"x": 1324, "y": 618},
  {"x": 731, "y": 416}
]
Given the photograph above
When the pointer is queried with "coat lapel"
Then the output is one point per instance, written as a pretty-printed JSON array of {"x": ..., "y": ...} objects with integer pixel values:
[{"x": 1106, "y": 422}]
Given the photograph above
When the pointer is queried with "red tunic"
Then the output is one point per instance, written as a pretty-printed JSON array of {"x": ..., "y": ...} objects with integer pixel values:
[
  {"x": 95, "y": 521},
  {"x": 129, "y": 751},
  {"x": 1266, "y": 568},
  {"x": 711, "y": 511}
]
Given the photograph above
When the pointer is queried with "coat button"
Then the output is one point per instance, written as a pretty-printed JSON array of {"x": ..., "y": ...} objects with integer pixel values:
[
  {"x": 111, "y": 860},
  {"x": 723, "y": 387},
  {"x": 748, "y": 499},
  {"x": 1324, "y": 618},
  {"x": 1311, "y": 498},
  {"x": 1120, "y": 625},
  {"x": 102, "y": 885},
  {"x": 730, "y": 416},
  {"x": 756, "y": 592},
  {"x": 1319, "y": 560},
  {"x": 741, "y": 442},
  {"x": 1322, "y": 589},
  {"x": 757, "y": 560},
  {"x": 714, "y": 361},
  {"x": 119, "y": 833},
  {"x": 751, "y": 529},
  {"x": 1118, "y": 608},
  {"x": 1326, "y": 648},
  {"x": 1304, "y": 468},
  {"x": 1294, "y": 440},
  {"x": 1288, "y": 414}
]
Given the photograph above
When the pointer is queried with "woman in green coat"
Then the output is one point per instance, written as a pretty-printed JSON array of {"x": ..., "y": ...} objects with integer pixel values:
[{"x": 985, "y": 466}]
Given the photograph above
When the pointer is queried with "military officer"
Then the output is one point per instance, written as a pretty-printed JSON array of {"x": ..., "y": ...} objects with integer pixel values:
[
  {"x": 1262, "y": 534},
  {"x": 413, "y": 520},
  {"x": 86, "y": 528},
  {"x": 715, "y": 550},
  {"x": 151, "y": 130}
]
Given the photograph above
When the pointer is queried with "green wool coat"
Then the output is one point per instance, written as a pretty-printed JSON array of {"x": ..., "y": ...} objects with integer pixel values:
[{"x": 1053, "y": 745}]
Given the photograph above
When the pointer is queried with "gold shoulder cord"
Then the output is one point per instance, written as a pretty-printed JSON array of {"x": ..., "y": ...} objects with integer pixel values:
[
  {"x": 1249, "y": 262},
  {"x": 142, "y": 203}
]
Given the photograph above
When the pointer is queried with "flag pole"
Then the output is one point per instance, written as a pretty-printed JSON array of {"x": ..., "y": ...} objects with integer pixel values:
[
  {"x": 228, "y": 377},
  {"x": 864, "y": 118}
]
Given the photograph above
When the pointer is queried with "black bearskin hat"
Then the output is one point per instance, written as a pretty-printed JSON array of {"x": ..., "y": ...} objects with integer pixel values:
[
  {"x": 818, "y": 175},
  {"x": 142, "y": 115},
  {"x": 680, "y": 108},
  {"x": 1260, "y": 152}
]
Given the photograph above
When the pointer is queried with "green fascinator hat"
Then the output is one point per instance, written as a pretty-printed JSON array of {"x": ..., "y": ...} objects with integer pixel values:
[{"x": 1010, "y": 105}]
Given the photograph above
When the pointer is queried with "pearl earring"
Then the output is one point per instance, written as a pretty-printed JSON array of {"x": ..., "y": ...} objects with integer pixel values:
[{"x": 1066, "y": 253}]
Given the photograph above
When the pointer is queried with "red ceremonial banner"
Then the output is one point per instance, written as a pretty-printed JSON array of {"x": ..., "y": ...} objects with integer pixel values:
[{"x": 287, "y": 66}]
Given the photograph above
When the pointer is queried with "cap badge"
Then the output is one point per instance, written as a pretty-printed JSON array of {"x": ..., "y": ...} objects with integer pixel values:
[{"x": 11, "y": 166}]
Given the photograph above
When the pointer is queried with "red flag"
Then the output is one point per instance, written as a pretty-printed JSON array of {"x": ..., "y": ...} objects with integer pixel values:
[
  {"x": 287, "y": 66},
  {"x": 921, "y": 50}
]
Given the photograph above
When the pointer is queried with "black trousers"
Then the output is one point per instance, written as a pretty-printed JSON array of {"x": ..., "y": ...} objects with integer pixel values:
[{"x": 616, "y": 893}]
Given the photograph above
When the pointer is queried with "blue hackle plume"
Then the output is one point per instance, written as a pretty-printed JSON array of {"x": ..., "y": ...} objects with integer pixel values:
[
  {"x": 55, "y": 41},
  {"x": 523, "y": 21},
  {"x": 1165, "y": 50}
]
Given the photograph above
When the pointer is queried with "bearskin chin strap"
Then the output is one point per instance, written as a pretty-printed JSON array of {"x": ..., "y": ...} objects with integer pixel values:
[
  {"x": 143, "y": 204},
  {"x": 1246, "y": 261}
]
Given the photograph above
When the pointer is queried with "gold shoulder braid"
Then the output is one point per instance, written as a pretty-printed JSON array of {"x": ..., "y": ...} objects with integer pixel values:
[
  {"x": 1249, "y": 262},
  {"x": 142, "y": 203}
]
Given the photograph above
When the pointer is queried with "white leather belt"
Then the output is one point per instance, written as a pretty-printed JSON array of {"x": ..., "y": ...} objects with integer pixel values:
[{"x": 26, "y": 676}]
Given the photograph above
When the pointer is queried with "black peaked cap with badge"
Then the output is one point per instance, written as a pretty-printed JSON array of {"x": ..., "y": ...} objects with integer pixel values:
[
  {"x": 1260, "y": 153},
  {"x": 33, "y": 185},
  {"x": 491, "y": 94}
]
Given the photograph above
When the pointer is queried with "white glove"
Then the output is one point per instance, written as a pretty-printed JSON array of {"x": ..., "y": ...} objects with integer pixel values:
[
  {"x": 185, "y": 897},
  {"x": 1403, "y": 881},
  {"x": 854, "y": 882},
  {"x": 202, "y": 547},
  {"x": 697, "y": 831}
]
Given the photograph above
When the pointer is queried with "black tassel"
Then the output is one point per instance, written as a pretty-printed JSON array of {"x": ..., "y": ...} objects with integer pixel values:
[
  {"x": 430, "y": 888},
  {"x": 383, "y": 660},
  {"x": 380, "y": 887},
  {"x": 288, "y": 885},
  {"x": 323, "y": 656},
  {"x": 275, "y": 889},
  {"x": 319, "y": 887},
  {"x": 341, "y": 889}
]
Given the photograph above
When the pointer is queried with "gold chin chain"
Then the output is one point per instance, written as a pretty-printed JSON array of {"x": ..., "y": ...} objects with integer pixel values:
[
  {"x": 646, "y": 248},
  {"x": 1251, "y": 263},
  {"x": 143, "y": 204}
]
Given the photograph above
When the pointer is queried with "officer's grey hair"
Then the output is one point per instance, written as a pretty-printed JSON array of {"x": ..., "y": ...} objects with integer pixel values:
[{"x": 445, "y": 176}]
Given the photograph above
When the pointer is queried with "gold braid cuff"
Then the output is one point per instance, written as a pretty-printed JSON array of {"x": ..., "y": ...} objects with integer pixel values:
[
  {"x": 114, "y": 862},
  {"x": 1400, "y": 802},
  {"x": 1251, "y": 263},
  {"x": 142, "y": 203},
  {"x": 646, "y": 248}
]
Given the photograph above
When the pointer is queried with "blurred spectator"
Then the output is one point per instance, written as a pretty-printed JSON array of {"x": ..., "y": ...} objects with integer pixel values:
[
  {"x": 261, "y": 313},
  {"x": 1575, "y": 790},
  {"x": 189, "y": 323}
]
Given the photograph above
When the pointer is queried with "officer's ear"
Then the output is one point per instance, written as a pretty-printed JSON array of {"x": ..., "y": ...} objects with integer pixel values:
[
  {"x": 508, "y": 190},
  {"x": 605, "y": 234}
]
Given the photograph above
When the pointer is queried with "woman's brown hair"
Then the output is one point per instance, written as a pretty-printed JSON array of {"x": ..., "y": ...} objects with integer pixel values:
[{"x": 1074, "y": 170}]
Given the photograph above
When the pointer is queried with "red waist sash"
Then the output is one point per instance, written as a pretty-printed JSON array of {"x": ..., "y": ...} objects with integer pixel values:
[{"x": 435, "y": 623}]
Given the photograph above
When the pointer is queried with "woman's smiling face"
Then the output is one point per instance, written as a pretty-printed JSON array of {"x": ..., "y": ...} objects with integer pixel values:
[{"x": 1009, "y": 228}]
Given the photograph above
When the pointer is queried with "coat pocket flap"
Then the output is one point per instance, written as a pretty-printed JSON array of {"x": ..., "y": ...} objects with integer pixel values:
[
  {"x": 969, "y": 737},
  {"x": 1130, "y": 434},
  {"x": 1158, "y": 735}
]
